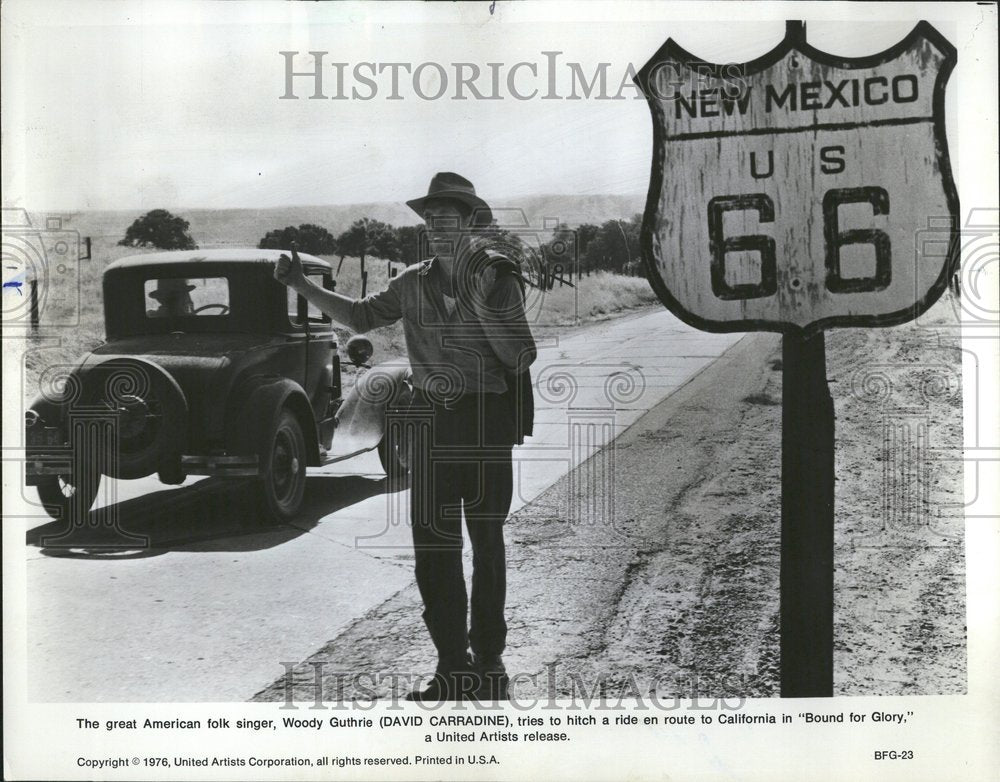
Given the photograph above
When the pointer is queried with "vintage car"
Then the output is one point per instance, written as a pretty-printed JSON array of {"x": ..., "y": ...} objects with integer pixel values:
[{"x": 210, "y": 367}]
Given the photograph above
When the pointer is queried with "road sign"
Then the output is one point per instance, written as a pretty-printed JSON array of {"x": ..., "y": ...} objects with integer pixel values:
[{"x": 788, "y": 192}]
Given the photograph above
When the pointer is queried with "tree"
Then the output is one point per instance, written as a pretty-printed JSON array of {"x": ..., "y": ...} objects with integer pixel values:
[
  {"x": 160, "y": 229},
  {"x": 585, "y": 234},
  {"x": 615, "y": 246},
  {"x": 308, "y": 238},
  {"x": 560, "y": 253},
  {"x": 411, "y": 241},
  {"x": 568, "y": 247},
  {"x": 369, "y": 237},
  {"x": 522, "y": 247},
  {"x": 498, "y": 238}
]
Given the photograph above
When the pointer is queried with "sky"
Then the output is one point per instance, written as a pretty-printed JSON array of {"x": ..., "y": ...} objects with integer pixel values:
[{"x": 136, "y": 105}]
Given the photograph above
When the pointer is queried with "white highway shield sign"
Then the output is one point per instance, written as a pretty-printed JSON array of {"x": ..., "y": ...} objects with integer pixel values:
[{"x": 793, "y": 191}]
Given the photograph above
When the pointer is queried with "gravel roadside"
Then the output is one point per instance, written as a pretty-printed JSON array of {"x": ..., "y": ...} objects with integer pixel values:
[{"x": 655, "y": 563}]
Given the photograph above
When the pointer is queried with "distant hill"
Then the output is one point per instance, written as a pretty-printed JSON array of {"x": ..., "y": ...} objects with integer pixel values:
[
  {"x": 574, "y": 209},
  {"x": 246, "y": 226}
]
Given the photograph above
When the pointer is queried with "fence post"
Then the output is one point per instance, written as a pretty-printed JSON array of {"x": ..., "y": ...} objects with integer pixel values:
[{"x": 33, "y": 303}]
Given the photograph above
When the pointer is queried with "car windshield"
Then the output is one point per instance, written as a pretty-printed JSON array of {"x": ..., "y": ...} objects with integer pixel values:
[{"x": 172, "y": 297}]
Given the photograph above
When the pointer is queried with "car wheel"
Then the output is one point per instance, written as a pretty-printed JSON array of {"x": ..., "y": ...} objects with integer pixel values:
[
  {"x": 66, "y": 497},
  {"x": 282, "y": 463},
  {"x": 393, "y": 461}
]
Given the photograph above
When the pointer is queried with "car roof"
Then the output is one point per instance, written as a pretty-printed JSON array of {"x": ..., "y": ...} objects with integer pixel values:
[{"x": 233, "y": 255}]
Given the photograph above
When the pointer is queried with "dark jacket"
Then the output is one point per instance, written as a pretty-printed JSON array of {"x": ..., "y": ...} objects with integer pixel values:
[
  {"x": 521, "y": 403},
  {"x": 520, "y": 391}
]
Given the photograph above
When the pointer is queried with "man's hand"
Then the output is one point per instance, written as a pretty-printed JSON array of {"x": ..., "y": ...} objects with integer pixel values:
[{"x": 289, "y": 271}]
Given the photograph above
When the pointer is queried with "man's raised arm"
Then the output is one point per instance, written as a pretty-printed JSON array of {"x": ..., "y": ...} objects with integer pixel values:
[{"x": 359, "y": 315}]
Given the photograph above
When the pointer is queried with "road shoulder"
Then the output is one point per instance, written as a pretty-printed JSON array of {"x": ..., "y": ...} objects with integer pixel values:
[{"x": 568, "y": 574}]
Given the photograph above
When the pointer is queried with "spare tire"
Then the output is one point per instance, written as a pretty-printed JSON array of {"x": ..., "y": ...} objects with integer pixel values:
[{"x": 148, "y": 409}]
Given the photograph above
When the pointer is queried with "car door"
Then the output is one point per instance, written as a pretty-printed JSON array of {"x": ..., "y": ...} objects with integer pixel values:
[{"x": 321, "y": 371}]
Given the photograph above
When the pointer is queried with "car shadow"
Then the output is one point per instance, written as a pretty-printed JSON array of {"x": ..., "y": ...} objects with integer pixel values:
[{"x": 211, "y": 515}]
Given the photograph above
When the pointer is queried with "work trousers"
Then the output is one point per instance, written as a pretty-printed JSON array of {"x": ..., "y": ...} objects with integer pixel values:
[{"x": 460, "y": 463}]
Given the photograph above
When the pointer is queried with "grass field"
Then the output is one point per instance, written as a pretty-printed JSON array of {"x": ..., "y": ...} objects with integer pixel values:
[{"x": 594, "y": 297}]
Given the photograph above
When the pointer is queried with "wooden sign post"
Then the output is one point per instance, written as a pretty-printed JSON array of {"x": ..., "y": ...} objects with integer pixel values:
[
  {"x": 787, "y": 194},
  {"x": 807, "y": 482}
]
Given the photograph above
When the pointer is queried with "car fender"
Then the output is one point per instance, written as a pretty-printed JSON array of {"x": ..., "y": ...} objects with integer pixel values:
[
  {"x": 50, "y": 409},
  {"x": 72, "y": 388},
  {"x": 362, "y": 415},
  {"x": 257, "y": 401},
  {"x": 115, "y": 378}
]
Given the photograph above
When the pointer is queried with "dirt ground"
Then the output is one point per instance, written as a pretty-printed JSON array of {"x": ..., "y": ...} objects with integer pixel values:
[{"x": 655, "y": 564}]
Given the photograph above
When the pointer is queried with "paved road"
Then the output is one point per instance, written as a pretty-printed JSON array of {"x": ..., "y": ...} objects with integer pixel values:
[
  {"x": 206, "y": 606},
  {"x": 667, "y": 574}
]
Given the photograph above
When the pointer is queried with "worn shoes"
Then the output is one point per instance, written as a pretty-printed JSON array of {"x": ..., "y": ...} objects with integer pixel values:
[
  {"x": 454, "y": 681},
  {"x": 491, "y": 676},
  {"x": 479, "y": 678}
]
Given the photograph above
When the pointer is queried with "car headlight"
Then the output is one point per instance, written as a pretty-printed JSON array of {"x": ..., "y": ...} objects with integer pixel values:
[{"x": 359, "y": 349}]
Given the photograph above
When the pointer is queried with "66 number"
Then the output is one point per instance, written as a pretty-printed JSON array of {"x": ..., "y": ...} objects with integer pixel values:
[{"x": 834, "y": 239}]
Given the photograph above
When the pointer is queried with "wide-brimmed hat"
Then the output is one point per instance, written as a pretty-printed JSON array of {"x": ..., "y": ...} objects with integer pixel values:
[
  {"x": 170, "y": 286},
  {"x": 448, "y": 186}
]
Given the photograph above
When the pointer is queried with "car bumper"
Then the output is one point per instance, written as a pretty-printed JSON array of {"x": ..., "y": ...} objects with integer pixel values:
[
  {"x": 223, "y": 466},
  {"x": 39, "y": 465},
  {"x": 36, "y": 466}
]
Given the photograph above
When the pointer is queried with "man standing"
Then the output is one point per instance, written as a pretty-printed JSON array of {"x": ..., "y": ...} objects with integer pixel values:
[{"x": 469, "y": 345}]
